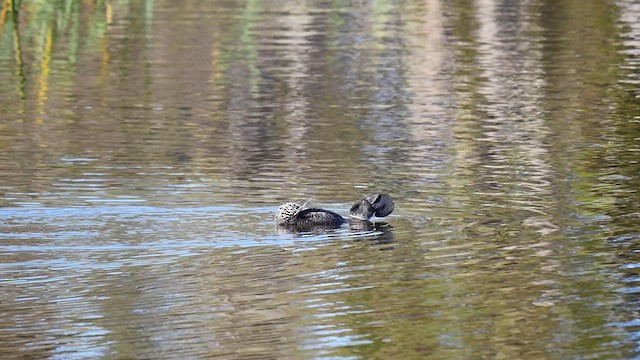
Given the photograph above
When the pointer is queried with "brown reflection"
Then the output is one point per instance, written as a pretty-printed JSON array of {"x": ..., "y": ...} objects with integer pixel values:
[{"x": 513, "y": 124}]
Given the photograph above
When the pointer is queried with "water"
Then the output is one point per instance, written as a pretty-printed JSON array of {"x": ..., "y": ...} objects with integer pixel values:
[{"x": 145, "y": 146}]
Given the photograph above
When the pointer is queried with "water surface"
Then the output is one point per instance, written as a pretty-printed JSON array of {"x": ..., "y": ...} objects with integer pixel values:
[{"x": 145, "y": 146}]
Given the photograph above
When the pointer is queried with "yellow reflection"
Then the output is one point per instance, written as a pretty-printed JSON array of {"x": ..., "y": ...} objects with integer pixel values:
[
  {"x": 18, "y": 55},
  {"x": 3, "y": 14},
  {"x": 109, "y": 12},
  {"x": 104, "y": 58},
  {"x": 44, "y": 74}
]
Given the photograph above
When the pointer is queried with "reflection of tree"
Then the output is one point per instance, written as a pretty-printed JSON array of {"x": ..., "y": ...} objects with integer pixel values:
[
  {"x": 519, "y": 146},
  {"x": 10, "y": 12},
  {"x": 468, "y": 99}
]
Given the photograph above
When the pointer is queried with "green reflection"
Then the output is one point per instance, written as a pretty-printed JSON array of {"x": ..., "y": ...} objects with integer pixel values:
[{"x": 509, "y": 138}]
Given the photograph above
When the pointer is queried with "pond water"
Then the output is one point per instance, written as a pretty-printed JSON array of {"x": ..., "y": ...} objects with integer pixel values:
[{"x": 146, "y": 144}]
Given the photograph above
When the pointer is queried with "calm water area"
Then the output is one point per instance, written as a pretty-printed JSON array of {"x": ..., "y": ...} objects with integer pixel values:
[{"x": 145, "y": 146}]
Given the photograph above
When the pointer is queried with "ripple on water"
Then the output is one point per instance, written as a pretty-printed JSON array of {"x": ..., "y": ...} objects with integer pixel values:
[{"x": 139, "y": 175}]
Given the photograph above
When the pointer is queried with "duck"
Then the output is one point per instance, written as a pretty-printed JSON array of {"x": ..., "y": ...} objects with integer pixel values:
[{"x": 295, "y": 215}]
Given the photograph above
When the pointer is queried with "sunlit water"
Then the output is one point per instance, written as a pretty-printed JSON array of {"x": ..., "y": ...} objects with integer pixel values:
[{"x": 145, "y": 146}]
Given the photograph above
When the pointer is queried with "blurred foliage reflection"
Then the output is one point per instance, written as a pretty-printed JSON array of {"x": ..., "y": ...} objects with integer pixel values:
[{"x": 144, "y": 146}]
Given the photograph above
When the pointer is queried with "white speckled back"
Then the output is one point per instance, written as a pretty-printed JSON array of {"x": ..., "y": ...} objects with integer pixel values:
[{"x": 287, "y": 211}]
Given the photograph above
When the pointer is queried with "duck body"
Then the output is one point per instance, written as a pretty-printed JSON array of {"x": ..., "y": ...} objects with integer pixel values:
[
  {"x": 295, "y": 216},
  {"x": 315, "y": 217}
]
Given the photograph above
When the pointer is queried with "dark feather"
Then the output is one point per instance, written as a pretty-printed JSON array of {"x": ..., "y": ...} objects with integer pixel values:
[
  {"x": 320, "y": 217},
  {"x": 379, "y": 205},
  {"x": 382, "y": 204}
]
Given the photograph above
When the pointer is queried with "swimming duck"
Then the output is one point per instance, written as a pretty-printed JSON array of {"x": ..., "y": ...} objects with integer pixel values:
[{"x": 295, "y": 215}]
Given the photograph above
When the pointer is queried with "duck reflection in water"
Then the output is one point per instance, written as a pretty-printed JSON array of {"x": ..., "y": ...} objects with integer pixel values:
[{"x": 296, "y": 217}]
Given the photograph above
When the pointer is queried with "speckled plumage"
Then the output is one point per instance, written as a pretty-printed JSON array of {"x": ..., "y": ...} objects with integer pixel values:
[{"x": 294, "y": 215}]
